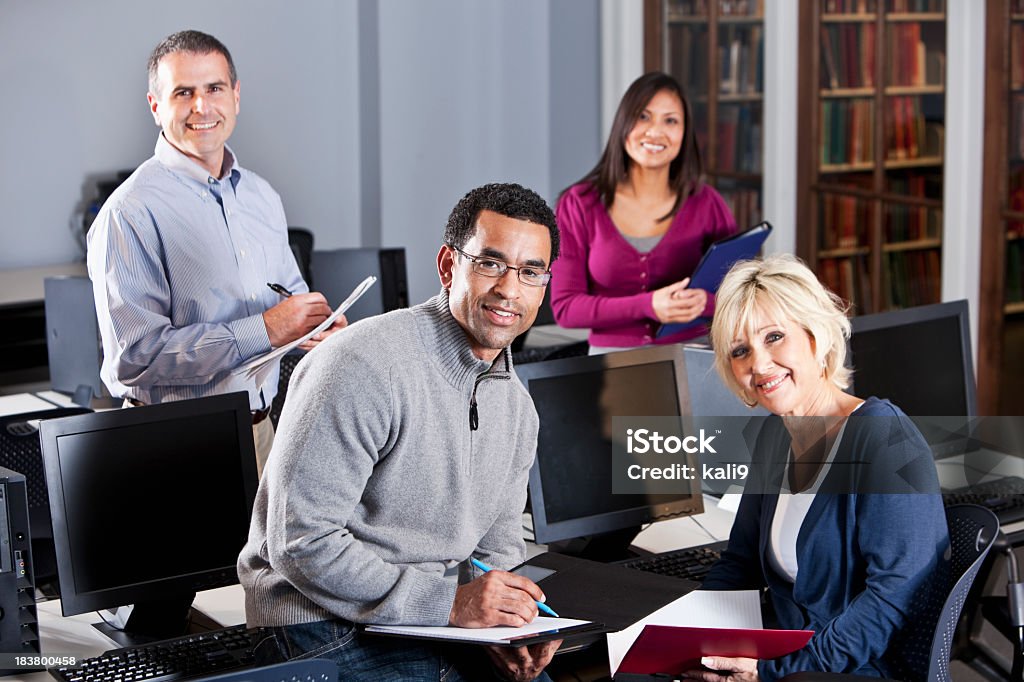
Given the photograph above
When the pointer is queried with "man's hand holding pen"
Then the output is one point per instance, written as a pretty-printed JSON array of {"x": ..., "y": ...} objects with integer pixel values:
[{"x": 296, "y": 316}]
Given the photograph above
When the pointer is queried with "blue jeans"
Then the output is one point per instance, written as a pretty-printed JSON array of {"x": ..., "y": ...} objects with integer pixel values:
[{"x": 372, "y": 658}]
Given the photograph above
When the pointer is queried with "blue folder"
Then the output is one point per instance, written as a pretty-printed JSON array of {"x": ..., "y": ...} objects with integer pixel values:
[{"x": 715, "y": 262}]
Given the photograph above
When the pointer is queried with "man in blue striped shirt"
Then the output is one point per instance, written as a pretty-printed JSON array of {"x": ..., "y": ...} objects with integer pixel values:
[{"x": 181, "y": 254}]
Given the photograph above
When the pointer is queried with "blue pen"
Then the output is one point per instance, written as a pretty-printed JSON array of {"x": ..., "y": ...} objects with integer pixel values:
[{"x": 540, "y": 605}]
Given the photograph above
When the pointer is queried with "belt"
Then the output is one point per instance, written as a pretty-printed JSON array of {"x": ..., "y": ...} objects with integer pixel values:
[{"x": 257, "y": 416}]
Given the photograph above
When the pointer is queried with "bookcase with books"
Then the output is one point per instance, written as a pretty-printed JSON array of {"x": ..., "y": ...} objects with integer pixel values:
[
  {"x": 715, "y": 48},
  {"x": 870, "y": 164},
  {"x": 1001, "y": 312}
]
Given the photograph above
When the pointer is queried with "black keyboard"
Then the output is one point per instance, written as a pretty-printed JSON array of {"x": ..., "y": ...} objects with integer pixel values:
[
  {"x": 182, "y": 658},
  {"x": 692, "y": 563},
  {"x": 1004, "y": 496}
]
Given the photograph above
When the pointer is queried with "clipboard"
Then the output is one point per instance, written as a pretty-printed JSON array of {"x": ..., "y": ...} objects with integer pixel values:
[
  {"x": 542, "y": 629},
  {"x": 715, "y": 262},
  {"x": 671, "y": 650}
]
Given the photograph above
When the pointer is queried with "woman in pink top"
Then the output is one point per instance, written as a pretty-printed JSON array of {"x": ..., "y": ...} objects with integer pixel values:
[{"x": 634, "y": 229}]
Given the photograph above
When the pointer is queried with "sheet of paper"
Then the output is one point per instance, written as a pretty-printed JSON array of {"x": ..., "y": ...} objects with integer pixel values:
[
  {"x": 496, "y": 635},
  {"x": 22, "y": 402},
  {"x": 259, "y": 367},
  {"x": 700, "y": 608}
]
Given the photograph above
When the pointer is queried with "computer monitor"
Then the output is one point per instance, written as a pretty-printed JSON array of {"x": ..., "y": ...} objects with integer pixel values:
[
  {"x": 571, "y": 481},
  {"x": 150, "y": 504},
  {"x": 337, "y": 272},
  {"x": 919, "y": 358},
  {"x": 73, "y": 345}
]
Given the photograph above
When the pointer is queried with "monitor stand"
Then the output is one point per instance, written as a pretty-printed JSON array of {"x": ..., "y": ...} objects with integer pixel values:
[
  {"x": 605, "y": 547},
  {"x": 158, "y": 619}
]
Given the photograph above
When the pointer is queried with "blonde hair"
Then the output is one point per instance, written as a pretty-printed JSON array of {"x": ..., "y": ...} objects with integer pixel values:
[{"x": 780, "y": 284}]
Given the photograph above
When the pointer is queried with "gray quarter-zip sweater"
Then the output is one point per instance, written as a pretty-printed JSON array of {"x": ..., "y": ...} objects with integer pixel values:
[{"x": 377, "y": 483}]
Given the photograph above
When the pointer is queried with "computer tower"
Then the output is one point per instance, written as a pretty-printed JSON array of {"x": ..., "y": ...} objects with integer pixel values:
[
  {"x": 337, "y": 272},
  {"x": 19, "y": 627},
  {"x": 73, "y": 338}
]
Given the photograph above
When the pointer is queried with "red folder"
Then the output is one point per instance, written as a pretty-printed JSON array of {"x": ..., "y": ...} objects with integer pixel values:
[{"x": 671, "y": 650}]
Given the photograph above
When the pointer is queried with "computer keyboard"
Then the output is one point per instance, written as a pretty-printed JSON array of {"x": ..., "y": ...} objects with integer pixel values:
[
  {"x": 691, "y": 563},
  {"x": 183, "y": 658},
  {"x": 1004, "y": 496}
]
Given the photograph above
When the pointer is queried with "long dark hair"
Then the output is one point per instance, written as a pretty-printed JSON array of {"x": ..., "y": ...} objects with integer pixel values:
[{"x": 685, "y": 173}]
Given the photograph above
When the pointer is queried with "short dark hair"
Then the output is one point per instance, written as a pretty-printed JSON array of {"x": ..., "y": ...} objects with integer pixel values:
[
  {"x": 686, "y": 172},
  {"x": 196, "y": 42},
  {"x": 507, "y": 199}
]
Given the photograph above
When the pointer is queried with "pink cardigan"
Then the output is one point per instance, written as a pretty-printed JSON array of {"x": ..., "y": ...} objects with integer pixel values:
[{"x": 600, "y": 281}]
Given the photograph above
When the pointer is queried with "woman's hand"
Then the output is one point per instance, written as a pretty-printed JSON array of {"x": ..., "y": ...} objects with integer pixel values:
[
  {"x": 676, "y": 303},
  {"x": 724, "y": 669}
]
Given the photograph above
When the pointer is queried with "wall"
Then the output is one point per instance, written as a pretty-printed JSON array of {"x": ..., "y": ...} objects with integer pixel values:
[{"x": 370, "y": 119}]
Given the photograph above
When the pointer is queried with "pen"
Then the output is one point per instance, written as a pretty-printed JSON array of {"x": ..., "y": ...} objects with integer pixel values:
[
  {"x": 540, "y": 605},
  {"x": 279, "y": 289}
]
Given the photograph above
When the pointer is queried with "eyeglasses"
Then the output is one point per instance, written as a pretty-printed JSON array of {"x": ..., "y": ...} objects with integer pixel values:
[{"x": 492, "y": 267}]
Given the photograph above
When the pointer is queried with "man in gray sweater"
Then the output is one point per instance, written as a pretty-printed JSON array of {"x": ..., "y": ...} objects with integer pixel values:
[{"x": 403, "y": 450}]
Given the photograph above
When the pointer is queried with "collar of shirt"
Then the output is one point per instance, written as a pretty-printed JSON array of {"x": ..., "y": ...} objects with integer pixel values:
[{"x": 169, "y": 156}]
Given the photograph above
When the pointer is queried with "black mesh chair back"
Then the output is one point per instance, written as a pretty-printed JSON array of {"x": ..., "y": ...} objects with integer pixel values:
[
  {"x": 288, "y": 365},
  {"x": 972, "y": 532},
  {"x": 301, "y": 242},
  {"x": 301, "y": 670},
  {"x": 20, "y": 451}
]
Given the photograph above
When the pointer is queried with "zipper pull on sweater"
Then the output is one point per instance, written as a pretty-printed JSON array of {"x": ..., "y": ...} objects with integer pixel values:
[{"x": 474, "y": 416}]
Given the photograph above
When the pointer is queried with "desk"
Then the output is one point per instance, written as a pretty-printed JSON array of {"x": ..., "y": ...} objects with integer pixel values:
[
  {"x": 76, "y": 636},
  {"x": 25, "y": 285}
]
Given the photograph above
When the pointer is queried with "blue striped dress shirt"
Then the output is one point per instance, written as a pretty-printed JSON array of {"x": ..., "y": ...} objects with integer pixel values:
[{"x": 180, "y": 262}]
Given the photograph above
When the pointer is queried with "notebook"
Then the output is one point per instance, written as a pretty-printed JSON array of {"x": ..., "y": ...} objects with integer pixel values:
[{"x": 715, "y": 262}]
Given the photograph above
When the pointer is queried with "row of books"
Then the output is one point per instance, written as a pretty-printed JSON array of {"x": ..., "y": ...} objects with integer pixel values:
[
  {"x": 688, "y": 57},
  {"x": 905, "y": 223},
  {"x": 847, "y": 131},
  {"x": 848, "y": 56},
  {"x": 911, "y": 61},
  {"x": 912, "y": 278},
  {"x": 848, "y": 278},
  {"x": 1016, "y": 56},
  {"x": 1016, "y": 128},
  {"x": 908, "y": 135},
  {"x": 1014, "y": 273},
  {"x": 929, "y": 6},
  {"x": 844, "y": 221},
  {"x": 745, "y": 205},
  {"x": 741, "y": 60},
  {"x": 849, "y": 6},
  {"x": 699, "y": 8},
  {"x": 739, "y": 138}
]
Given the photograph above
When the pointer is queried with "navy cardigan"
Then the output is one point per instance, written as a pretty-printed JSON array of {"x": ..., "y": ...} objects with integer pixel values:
[{"x": 873, "y": 567}]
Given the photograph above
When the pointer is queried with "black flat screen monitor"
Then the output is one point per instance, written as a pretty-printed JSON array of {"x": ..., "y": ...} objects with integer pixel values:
[
  {"x": 149, "y": 503},
  {"x": 571, "y": 481},
  {"x": 919, "y": 358},
  {"x": 336, "y": 273}
]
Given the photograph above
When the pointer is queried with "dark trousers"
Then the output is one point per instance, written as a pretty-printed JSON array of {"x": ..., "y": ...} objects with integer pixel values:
[{"x": 372, "y": 658}]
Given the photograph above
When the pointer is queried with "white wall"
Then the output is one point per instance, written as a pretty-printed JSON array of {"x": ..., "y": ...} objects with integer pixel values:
[
  {"x": 370, "y": 119},
  {"x": 74, "y": 78}
]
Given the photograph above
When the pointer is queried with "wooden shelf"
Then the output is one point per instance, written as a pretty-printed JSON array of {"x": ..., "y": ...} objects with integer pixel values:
[
  {"x": 847, "y": 167},
  {"x": 915, "y": 245},
  {"x": 740, "y": 98},
  {"x": 848, "y": 18},
  {"x": 904, "y": 17},
  {"x": 1015, "y": 308},
  {"x": 734, "y": 19},
  {"x": 838, "y": 93},
  {"x": 844, "y": 252},
  {"x": 919, "y": 162},
  {"x": 902, "y": 90}
]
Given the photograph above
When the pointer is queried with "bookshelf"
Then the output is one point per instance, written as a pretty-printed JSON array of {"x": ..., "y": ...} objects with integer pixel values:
[
  {"x": 1001, "y": 310},
  {"x": 715, "y": 48},
  {"x": 870, "y": 166}
]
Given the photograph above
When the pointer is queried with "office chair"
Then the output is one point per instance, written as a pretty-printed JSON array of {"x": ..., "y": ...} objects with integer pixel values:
[
  {"x": 972, "y": 532},
  {"x": 288, "y": 364},
  {"x": 300, "y": 670},
  {"x": 20, "y": 451},
  {"x": 301, "y": 242}
]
